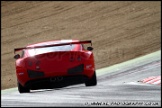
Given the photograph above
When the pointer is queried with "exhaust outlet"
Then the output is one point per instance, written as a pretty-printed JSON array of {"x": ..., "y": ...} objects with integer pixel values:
[
  {"x": 53, "y": 79},
  {"x": 59, "y": 78}
]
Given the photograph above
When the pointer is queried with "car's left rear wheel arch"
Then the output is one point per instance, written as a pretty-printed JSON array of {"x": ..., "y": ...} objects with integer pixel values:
[
  {"x": 22, "y": 89},
  {"x": 92, "y": 81}
]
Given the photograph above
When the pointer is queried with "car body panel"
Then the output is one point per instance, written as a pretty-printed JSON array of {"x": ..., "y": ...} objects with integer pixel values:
[{"x": 70, "y": 62}]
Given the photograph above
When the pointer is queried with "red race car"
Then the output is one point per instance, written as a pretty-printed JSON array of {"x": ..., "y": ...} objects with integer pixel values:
[{"x": 54, "y": 64}]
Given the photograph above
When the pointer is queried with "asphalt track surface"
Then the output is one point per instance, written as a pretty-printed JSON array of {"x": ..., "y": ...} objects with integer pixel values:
[{"x": 117, "y": 86}]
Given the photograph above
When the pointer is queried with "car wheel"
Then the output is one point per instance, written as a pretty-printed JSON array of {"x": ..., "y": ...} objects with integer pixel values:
[
  {"x": 22, "y": 89},
  {"x": 92, "y": 81}
]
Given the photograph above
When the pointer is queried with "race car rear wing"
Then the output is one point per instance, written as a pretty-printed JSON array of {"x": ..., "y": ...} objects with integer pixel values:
[{"x": 61, "y": 44}]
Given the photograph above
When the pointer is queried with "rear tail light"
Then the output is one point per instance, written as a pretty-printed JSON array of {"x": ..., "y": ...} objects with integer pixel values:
[{"x": 79, "y": 58}]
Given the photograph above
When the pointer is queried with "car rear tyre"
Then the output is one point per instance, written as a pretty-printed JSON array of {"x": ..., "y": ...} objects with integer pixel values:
[
  {"x": 92, "y": 81},
  {"x": 22, "y": 89}
]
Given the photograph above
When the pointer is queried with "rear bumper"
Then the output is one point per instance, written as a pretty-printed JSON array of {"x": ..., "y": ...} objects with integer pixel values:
[
  {"x": 71, "y": 71},
  {"x": 33, "y": 77},
  {"x": 48, "y": 83}
]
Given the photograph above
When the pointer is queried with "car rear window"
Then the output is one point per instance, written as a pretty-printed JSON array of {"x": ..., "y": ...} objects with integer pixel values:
[{"x": 50, "y": 49}]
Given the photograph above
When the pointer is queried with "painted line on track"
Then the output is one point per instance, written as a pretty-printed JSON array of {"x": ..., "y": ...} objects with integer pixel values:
[
  {"x": 137, "y": 62},
  {"x": 156, "y": 80}
]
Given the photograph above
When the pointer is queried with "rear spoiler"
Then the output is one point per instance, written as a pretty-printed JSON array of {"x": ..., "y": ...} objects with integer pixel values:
[{"x": 61, "y": 44}]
